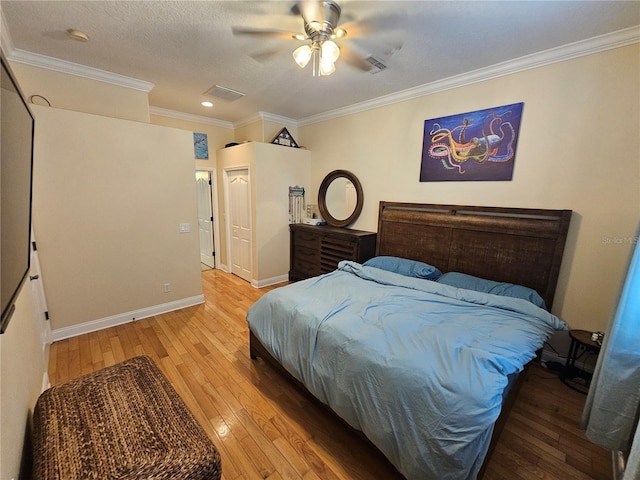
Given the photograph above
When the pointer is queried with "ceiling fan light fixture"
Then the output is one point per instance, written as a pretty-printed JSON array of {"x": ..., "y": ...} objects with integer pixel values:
[
  {"x": 339, "y": 33},
  {"x": 330, "y": 51},
  {"x": 323, "y": 55},
  {"x": 327, "y": 67},
  {"x": 302, "y": 55}
]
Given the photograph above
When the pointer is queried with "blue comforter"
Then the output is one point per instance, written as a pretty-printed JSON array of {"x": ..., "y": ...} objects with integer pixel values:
[{"x": 419, "y": 367}]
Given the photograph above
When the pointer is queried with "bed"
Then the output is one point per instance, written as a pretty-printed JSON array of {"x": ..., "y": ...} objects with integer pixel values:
[{"x": 422, "y": 348}]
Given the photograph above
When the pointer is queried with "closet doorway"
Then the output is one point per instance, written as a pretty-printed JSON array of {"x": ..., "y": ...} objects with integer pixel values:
[
  {"x": 238, "y": 199},
  {"x": 207, "y": 227}
]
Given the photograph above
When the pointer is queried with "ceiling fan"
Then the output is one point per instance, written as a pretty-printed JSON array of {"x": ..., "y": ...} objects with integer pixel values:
[{"x": 322, "y": 29}]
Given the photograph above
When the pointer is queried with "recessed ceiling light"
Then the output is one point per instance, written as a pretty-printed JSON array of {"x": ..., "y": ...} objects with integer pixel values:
[
  {"x": 207, "y": 104},
  {"x": 77, "y": 35}
]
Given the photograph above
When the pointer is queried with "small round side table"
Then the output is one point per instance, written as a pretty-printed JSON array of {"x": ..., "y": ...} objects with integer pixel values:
[{"x": 571, "y": 375}]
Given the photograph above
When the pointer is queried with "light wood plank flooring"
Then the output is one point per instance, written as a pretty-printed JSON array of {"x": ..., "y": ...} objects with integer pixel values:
[{"x": 266, "y": 429}]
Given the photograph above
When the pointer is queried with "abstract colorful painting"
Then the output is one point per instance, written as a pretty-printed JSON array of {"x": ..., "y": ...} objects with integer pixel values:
[
  {"x": 201, "y": 146},
  {"x": 477, "y": 146}
]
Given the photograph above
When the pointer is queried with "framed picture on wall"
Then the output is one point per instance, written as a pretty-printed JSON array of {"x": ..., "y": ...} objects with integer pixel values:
[
  {"x": 474, "y": 146},
  {"x": 201, "y": 146}
]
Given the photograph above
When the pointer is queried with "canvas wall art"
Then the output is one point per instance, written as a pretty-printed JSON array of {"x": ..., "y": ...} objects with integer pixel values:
[
  {"x": 476, "y": 146},
  {"x": 201, "y": 146}
]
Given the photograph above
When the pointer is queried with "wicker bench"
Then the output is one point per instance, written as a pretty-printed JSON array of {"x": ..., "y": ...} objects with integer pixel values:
[{"x": 126, "y": 422}]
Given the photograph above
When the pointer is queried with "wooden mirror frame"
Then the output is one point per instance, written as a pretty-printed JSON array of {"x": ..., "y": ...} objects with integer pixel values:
[{"x": 322, "y": 198}]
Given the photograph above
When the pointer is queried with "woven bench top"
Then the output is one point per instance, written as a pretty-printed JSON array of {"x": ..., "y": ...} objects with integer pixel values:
[{"x": 126, "y": 422}]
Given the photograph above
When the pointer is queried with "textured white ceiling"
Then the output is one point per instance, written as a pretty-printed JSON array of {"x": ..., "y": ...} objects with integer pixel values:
[{"x": 186, "y": 47}]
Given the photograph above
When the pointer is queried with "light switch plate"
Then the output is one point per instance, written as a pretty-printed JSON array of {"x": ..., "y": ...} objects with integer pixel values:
[{"x": 185, "y": 228}]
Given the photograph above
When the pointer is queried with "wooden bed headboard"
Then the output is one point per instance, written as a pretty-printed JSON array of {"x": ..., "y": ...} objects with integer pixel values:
[{"x": 516, "y": 245}]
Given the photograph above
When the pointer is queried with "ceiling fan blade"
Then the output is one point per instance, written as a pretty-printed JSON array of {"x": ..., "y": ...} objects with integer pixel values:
[
  {"x": 377, "y": 24},
  {"x": 350, "y": 57},
  {"x": 266, "y": 55},
  {"x": 258, "y": 32}
]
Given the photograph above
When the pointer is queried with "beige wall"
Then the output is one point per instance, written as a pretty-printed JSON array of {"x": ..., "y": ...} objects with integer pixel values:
[
  {"x": 109, "y": 196},
  {"x": 22, "y": 373},
  {"x": 217, "y": 137},
  {"x": 71, "y": 92},
  {"x": 578, "y": 149},
  {"x": 272, "y": 170},
  {"x": 262, "y": 130},
  {"x": 271, "y": 128},
  {"x": 250, "y": 132},
  {"x": 276, "y": 169}
]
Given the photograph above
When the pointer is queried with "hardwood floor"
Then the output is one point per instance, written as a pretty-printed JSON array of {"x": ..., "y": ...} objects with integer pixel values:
[{"x": 265, "y": 429}]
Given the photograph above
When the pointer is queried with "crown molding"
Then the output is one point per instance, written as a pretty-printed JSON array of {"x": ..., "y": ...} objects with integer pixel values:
[
  {"x": 62, "y": 66},
  {"x": 163, "y": 112},
  {"x": 286, "y": 121},
  {"x": 36, "y": 60},
  {"x": 570, "y": 51},
  {"x": 247, "y": 121}
]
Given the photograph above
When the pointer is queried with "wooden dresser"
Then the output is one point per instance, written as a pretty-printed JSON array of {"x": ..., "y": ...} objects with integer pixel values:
[{"x": 318, "y": 249}]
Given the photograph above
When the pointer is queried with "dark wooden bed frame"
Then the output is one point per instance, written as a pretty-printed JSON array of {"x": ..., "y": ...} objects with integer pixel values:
[{"x": 516, "y": 245}]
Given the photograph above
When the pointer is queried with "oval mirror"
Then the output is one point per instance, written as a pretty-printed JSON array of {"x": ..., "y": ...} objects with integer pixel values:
[{"x": 340, "y": 198}]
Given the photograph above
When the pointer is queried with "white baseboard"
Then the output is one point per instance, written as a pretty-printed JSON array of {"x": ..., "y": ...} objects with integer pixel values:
[
  {"x": 45, "y": 382},
  {"x": 95, "y": 325},
  {"x": 269, "y": 281}
]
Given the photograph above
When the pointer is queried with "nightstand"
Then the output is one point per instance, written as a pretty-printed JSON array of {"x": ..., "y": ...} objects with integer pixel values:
[{"x": 571, "y": 375}]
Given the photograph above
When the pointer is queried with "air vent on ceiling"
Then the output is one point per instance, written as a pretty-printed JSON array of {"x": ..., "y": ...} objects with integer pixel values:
[
  {"x": 376, "y": 64},
  {"x": 224, "y": 93}
]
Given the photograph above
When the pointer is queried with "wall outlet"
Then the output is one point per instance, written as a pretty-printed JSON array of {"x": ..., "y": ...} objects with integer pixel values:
[{"x": 166, "y": 288}]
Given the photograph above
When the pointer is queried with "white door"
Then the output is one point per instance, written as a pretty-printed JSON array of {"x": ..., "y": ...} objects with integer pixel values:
[
  {"x": 240, "y": 222},
  {"x": 205, "y": 218}
]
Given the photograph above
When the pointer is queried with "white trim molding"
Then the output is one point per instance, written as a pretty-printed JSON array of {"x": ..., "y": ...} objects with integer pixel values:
[
  {"x": 570, "y": 51},
  {"x": 163, "y": 112},
  {"x": 112, "y": 321},
  {"x": 266, "y": 116},
  {"x": 62, "y": 66},
  {"x": 269, "y": 281}
]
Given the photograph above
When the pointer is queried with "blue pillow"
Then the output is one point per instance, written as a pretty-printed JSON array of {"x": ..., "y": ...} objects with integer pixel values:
[
  {"x": 469, "y": 282},
  {"x": 404, "y": 266}
]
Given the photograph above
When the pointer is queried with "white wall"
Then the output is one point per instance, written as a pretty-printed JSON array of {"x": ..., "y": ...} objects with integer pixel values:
[
  {"x": 109, "y": 196},
  {"x": 579, "y": 149}
]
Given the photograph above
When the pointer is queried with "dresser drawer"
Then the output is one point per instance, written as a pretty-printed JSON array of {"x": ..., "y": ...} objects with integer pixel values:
[
  {"x": 304, "y": 239},
  {"x": 306, "y": 261},
  {"x": 318, "y": 249},
  {"x": 334, "y": 250}
]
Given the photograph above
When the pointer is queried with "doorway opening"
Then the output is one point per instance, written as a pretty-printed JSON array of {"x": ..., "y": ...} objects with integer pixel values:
[{"x": 207, "y": 222}]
